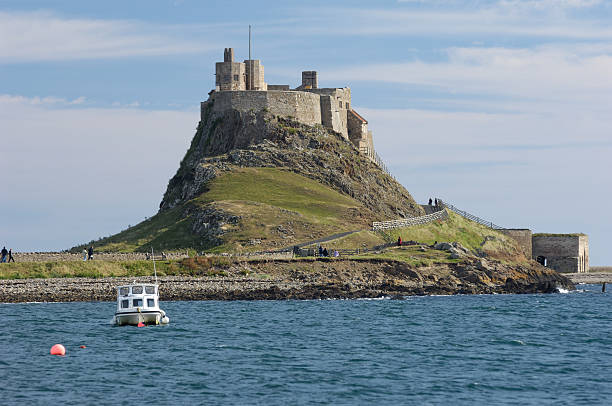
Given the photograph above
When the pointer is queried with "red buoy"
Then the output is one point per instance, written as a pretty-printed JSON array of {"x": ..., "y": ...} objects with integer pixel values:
[
  {"x": 82, "y": 346},
  {"x": 141, "y": 324},
  {"x": 58, "y": 349}
]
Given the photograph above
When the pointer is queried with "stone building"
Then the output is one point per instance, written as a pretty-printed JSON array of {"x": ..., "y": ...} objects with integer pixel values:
[
  {"x": 567, "y": 253},
  {"x": 241, "y": 86},
  {"x": 562, "y": 252}
]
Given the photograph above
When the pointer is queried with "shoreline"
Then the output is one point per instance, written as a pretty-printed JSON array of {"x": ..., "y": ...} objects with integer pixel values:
[
  {"x": 281, "y": 280},
  {"x": 590, "y": 278}
]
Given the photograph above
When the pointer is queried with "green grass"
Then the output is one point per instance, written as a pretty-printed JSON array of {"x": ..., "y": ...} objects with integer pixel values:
[
  {"x": 280, "y": 188},
  {"x": 264, "y": 198},
  {"x": 471, "y": 235},
  {"x": 411, "y": 255},
  {"x": 89, "y": 269},
  {"x": 101, "y": 269}
]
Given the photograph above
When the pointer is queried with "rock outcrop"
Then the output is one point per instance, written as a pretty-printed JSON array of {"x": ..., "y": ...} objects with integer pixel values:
[{"x": 236, "y": 139}]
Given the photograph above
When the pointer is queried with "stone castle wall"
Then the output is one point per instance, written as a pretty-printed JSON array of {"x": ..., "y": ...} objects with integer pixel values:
[
  {"x": 335, "y": 103},
  {"x": 302, "y": 106},
  {"x": 524, "y": 238}
]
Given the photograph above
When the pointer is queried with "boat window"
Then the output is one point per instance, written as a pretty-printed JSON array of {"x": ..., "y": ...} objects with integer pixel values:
[
  {"x": 150, "y": 302},
  {"x": 124, "y": 291},
  {"x": 150, "y": 289},
  {"x": 136, "y": 290},
  {"x": 137, "y": 302},
  {"x": 125, "y": 303}
]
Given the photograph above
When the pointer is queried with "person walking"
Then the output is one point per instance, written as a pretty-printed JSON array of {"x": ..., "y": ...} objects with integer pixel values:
[
  {"x": 90, "y": 253},
  {"x": 10, "y": 254},
  {"x": 399, "y": 241},
  {"x": 3, "y": 252},
  {"x": 430, "y": 201},
  {"x": 85, "y": 254}
]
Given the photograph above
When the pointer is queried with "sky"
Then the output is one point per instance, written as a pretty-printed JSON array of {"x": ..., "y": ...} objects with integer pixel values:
[{"x": 500, "y": 107}]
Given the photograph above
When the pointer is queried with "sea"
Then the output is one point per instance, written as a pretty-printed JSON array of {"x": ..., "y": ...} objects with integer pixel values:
[{"x": 534, "y": 349}]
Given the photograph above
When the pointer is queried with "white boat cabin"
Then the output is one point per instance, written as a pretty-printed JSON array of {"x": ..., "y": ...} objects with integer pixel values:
[{"x": 134, "y": 298}]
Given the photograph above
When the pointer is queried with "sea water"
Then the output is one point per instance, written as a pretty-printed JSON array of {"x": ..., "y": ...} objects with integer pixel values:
[{"x": 500, "y": 349}]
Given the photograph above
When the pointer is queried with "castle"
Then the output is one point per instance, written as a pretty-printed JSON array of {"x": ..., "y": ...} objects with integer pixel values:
[{"x": 241, "y": 86}]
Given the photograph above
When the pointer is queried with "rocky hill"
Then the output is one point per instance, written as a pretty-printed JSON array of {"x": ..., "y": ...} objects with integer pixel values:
[{"x": 252, "y": 181}]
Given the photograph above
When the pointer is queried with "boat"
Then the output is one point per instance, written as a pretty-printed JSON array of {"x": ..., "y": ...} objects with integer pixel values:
[{"x": 139, "y": 303}]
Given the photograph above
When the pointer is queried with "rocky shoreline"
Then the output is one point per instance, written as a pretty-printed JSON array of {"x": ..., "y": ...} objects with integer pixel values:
[{"x": 316, "y": 279}]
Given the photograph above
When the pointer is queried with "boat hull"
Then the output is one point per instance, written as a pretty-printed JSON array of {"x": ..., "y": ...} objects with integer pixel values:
[{"x": 134, "y": 318}]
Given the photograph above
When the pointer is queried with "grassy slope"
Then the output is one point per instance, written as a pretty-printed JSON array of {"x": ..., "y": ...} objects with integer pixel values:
[
  {"x": 265, "y": 199},
  {"x": 456, "y": 228}
]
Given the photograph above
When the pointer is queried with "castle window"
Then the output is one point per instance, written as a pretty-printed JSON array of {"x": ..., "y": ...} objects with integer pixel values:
[
  {"x": 340, "y": 104},
  {"x": 347, "y": 105},
  {"x": 236, "y": 78}
]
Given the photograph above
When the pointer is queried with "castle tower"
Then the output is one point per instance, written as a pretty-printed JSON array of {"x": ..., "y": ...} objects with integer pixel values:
[
  {"x": 230, "y": 75},
  {"x": 310, "y": 79},
  {"x": 255, "y": 75}
]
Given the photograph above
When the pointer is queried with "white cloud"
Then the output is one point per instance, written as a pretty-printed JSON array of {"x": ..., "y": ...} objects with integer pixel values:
[
  {"x": 44, "y": 36},
  {"x": 546, "y": 76},
  {"x": 491, "y": 21},
  {"x": 69, "y": 172}
]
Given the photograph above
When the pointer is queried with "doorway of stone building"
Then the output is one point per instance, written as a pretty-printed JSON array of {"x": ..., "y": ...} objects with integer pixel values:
[{"x": 541, "y": 259}]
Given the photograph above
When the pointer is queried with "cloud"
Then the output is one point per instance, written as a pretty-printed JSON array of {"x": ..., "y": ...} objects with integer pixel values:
[
  {"x": 6, "y": 99},
  {"x": 544, "y": 78},
  {"x": 493, "y": 21},
  {"x": 70, "y": 174},
  {"x": 45, "y": 36}
]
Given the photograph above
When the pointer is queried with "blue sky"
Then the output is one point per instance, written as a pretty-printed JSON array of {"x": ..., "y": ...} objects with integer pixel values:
[{"x": 501, "y": 107}]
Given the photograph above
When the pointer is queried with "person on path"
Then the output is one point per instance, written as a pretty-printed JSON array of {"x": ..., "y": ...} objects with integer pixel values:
[
  {"x": 325, "y": 253},
  {"x": 4, "y": 252},
  {"x": 320, "y": 251},
  {"x": 85, "y": 254},
  {"x": 90, "y": 253},
  {"x": 399, "y": 241},
  {"x": 11, "y": 255},
  {"x": 436, "y": 202},
  {"x": 430, "y": 201}
]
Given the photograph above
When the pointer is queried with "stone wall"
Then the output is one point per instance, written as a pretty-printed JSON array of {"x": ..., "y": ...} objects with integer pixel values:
[
  {"x": 303, "y": 107},
  {"x": 335, "y": 103},
  {"x": 413, "y": 221},
  {"x": 563, "y": 252},
  {"x": 523, "y": 236},
  {"x": 101, "y": 256}
]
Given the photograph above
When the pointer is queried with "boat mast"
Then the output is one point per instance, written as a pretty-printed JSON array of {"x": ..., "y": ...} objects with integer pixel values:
[{"x": 154, "y": 269}]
